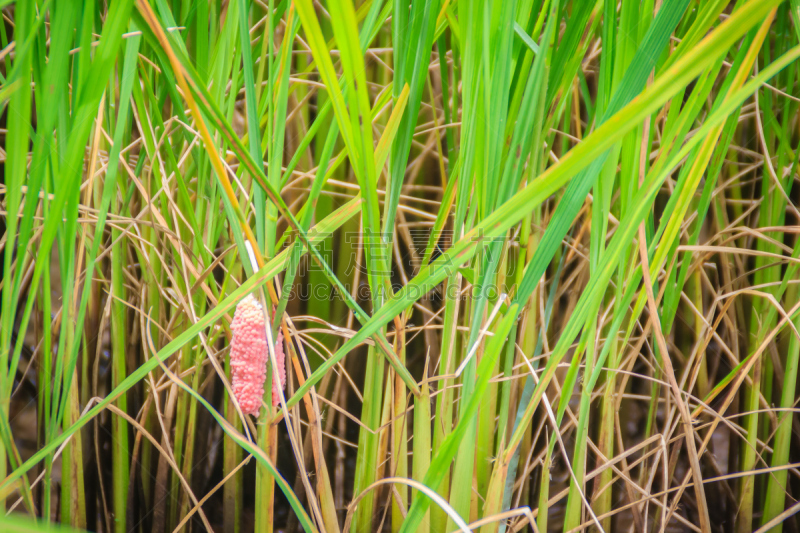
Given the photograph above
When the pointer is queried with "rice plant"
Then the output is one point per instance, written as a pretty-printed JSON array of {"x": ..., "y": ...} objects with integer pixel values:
[{"x": 392, "y": 265}]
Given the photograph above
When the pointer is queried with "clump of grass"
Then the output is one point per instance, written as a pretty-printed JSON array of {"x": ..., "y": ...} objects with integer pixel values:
[{"x": 535, "y": 263}]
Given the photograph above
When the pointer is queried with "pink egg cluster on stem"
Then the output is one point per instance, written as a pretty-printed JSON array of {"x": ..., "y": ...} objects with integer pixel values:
[{"x": 250, "y": 357}]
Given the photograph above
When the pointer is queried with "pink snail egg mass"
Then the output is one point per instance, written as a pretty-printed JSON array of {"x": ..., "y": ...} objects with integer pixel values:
[{"x": 250, "y": 357}]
